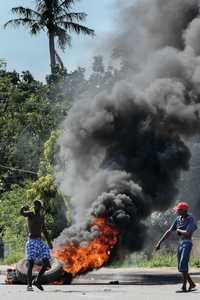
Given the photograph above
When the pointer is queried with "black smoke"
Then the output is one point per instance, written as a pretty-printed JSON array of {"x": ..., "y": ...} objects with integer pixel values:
[{"x": 122, "y": 153}]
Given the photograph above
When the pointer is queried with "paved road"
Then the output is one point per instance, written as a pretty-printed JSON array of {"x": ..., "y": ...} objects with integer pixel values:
[
  {"x": 137, "y": 284},
  {"x": 96, "y": 292}
]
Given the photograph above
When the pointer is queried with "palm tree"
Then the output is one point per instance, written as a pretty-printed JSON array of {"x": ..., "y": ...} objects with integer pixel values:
[{"x": 55, "y": 18}]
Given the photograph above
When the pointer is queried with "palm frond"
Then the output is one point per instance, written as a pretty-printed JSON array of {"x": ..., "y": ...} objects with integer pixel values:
[
  {"x": 31, "y": 24},
  {"x": 25, "y": 12},
  {"x": 36, "y": 28},
  {"x": 48, "y": 9},
  {"x": 52, "y": 5},
  {"x": 71, "y": 17},
  {"x": 75, "y": 27},
  {"x": 42, "y": 3},
  {"x": 17, "y": 22},
  {"x": 44, "y": 6},
  {"x": 67, "y": 3},
  {"x": 63, "y": 37}
]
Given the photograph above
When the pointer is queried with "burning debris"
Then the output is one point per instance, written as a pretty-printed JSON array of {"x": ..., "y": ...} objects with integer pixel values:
[
  {"x": 122, "y": 153},
  {"x": 78, "y": 259}
]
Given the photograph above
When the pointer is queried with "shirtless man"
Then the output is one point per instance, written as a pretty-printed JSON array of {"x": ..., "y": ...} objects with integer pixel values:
[
  {"x": 184, "y": 226},
  {"x": 36, "y": 249}
]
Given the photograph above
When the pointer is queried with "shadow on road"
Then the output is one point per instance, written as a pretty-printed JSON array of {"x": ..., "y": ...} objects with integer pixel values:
[{"x": 132, "y": 279}]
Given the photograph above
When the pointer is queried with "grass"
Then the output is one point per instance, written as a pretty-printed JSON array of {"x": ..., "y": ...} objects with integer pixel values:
[
  {"x": 155, "y": 262},
  {"x": 166, "y": 261},
  {"x": 158, "y": 262},
  {"x": 195, "y": 262},
  {"x": 12, "y": 258}
]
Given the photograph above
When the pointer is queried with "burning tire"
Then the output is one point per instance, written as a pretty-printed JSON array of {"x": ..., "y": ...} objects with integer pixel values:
[{"x": 54, "y": 274}]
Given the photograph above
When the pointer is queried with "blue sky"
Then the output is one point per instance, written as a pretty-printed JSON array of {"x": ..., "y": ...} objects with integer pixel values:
[{"x": 23, "y": 52}]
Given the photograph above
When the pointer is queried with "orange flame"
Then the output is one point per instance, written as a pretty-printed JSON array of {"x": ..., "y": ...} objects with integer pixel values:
[{"x": 79, "y": 259}]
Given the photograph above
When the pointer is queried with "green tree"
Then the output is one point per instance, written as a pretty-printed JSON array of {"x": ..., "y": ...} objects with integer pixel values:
[
  {"x": 24, "y": 105},
  {"x": 54, "y": 17},
  {"x": 13, "y": 229},
  {"x": 44, "y": 188}
]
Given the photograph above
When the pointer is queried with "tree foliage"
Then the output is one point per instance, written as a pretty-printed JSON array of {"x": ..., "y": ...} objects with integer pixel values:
[
  {"x": 13, "y": 229},
  {"x": 47, "y": 158},
  {"x": 53, "y": 202},
  {"x": 30, "y": 115}
]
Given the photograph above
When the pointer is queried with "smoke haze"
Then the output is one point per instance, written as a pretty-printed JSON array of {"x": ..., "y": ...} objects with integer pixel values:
[{"x": 122, "y": 153}]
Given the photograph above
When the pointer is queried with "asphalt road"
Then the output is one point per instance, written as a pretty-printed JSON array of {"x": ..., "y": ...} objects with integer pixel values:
[
  {"x": 158, "y": 284},
  {"x": 96, "y": 292}
]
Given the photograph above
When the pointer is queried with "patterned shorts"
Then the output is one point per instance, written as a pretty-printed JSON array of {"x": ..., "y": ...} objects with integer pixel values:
[{"x": 37, "y": 250}]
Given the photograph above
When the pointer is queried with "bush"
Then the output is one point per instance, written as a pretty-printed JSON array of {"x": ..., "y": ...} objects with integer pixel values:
[
  {"x": 157, "y": 261},
  {"x": 53, "y": 202},
  {"x": 13, "y": 229}
]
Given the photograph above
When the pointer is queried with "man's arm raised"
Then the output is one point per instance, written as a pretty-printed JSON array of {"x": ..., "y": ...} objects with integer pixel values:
[{"x": 25, "y": 212}]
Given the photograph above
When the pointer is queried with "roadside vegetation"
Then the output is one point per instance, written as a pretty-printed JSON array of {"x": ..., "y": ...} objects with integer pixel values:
[
  {"x": 28, "y": 145},
  {"x": 157, "y": 261}
]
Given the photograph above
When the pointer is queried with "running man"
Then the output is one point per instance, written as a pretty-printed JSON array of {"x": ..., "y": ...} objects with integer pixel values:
[
  {"x": 184, "y": 226},
  {"x": 36, "y": 249}
]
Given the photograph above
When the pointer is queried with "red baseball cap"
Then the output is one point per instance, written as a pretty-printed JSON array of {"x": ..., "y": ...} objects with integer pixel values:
[{"x": 182, "y": 206}]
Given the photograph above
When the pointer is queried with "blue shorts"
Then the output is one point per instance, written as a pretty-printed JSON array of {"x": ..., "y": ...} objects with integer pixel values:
[
  {"x": 37, "y": 250},
  {"x": 183, "y": 255}
]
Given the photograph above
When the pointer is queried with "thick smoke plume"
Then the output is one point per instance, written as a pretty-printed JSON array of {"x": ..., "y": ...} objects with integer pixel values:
[{"x": 122, "y": 153}]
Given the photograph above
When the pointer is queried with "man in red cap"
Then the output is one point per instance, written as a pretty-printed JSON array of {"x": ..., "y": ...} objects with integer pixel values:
[{"x": 184, "y": 226}]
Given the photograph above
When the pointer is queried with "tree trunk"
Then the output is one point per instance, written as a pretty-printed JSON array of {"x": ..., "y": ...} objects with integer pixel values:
[{"x": 52, "y": 52}]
